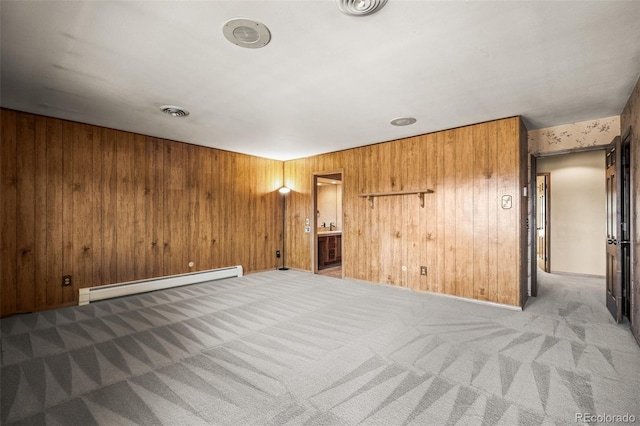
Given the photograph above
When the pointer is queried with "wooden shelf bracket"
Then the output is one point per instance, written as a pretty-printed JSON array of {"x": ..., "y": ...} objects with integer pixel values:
[{"x": 371, "y": 196}]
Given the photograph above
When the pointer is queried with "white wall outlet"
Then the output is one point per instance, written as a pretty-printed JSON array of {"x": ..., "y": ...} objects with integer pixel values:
[{"x": 307, "y": 229}]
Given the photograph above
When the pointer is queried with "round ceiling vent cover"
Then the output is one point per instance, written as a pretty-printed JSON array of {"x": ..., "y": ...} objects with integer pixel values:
[
  {"x": 174, "y": 111},
  {"x": 360, "y": 7},
  {"x": 246, "y": 33}
]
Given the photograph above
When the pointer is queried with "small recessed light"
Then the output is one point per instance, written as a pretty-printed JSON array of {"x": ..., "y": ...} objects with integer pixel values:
[
  {"x": 174, "y": 111},
  {"x": 403, "y": 121},
  {"x": 246, "y": 33}
]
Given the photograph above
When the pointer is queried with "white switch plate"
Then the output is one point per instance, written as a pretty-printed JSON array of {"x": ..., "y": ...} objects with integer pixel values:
[{"x": 306, "y": 221}]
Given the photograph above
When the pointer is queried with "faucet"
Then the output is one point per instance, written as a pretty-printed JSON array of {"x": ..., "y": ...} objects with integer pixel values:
[
  {"x": 324, "y": 224},
  {"x": 331, "y": 226}
]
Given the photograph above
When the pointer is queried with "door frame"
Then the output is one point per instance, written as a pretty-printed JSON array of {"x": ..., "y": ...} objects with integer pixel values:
[
  {"x": 314, "y": 217},
  {"x": 614, "y": 297},
  {"x": 533, "y": 252}
]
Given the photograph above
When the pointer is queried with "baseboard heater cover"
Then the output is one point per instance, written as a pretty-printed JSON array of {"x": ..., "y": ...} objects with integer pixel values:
[{"x": 93, "y": 294}]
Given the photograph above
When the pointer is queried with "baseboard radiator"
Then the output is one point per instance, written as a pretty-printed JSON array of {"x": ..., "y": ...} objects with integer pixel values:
[{"x": 93, "y": 294}]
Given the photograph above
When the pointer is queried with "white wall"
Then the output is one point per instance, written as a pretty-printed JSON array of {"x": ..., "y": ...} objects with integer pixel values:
[
  {"x": 578, "y": 211},
  {"x": 330, "y": 205}
]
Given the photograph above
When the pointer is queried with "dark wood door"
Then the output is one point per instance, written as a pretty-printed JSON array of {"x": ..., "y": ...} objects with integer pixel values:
[
  {"x": 614, "y": 228},
  {"x": 542, "y": 220}
]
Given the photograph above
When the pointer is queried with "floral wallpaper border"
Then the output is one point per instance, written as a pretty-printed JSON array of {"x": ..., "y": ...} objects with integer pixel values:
[{"x": 574, "y": 135}]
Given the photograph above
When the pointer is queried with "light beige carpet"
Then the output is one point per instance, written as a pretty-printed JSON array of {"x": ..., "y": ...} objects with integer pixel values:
[{"x": 286, "y": 347}]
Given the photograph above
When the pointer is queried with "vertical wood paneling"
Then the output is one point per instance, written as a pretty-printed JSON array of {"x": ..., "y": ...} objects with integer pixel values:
[
  {"x": 429, "y": 216},
  {"x": 395, "y": 211},
  {"x": 125, "y": 213},
  {"x": 9, "y": 197},
  {"x": 493, "y": 204},
  {"x": 95, "y": 179},
  {"x": 464, "y": 211},
  {"x": 352, "y": 217},
  {"x": 414, "y": 248},
  {"x": 469, "y": 244},
  {"x": 442, "y": 248},
  {"x": 68, "y": 144},
  {"x": 216, "y": 206},
  {"x": 153, "y": 198},
  {"x": 82, "y": 208},
  {"x": 108, "y": 230},
  {"x": 25, "y": 224},
  {"x": 175, "y": 220},
  {"x": 449, "y": 276},
  {"x": 96, "y": 200},
  {"x": 192, "y": 218},
  {"x": 481, "y": 175},
  {"x": 204, "y": 181},
  {"x": 55, "y": 210},
  {"x": 140, "y": 192},
  {"x": 41, "y": 278}
]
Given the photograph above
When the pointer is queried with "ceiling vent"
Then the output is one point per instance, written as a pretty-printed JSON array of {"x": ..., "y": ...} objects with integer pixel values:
[
  {"x": 360, "y": 7},
  {"x": 174, "y": 111},
  {"x": 246, "y": 33}
]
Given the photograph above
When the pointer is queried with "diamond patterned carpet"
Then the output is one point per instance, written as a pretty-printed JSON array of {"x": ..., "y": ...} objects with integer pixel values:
[{"x": 287, "y": 347}]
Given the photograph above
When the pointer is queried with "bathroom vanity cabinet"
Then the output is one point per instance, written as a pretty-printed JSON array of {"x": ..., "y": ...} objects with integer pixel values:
[{"x": 329, "y": 249}]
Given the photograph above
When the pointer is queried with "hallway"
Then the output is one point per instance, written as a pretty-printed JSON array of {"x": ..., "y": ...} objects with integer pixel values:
[{"x": 581, "y": 335}]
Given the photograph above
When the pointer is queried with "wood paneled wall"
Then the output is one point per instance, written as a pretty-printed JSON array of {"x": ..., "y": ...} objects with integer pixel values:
[
  {"x": 107, "y": 206},
  {"x": 472, "y": 247}
]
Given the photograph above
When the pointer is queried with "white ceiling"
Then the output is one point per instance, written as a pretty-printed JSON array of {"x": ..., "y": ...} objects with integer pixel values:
[{"x": 326, "y": 81}]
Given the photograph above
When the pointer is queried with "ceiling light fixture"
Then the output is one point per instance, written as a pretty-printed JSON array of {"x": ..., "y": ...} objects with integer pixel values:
[
  {"x": 360, "y": 7},
  {"x": 246, "y": 33},
  {"x": 174, "y": 111},
  {"x": 403, "y": 121}
]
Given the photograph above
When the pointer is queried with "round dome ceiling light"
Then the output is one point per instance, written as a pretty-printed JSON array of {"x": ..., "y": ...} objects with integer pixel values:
[
  {"x": 174, "y": 111},
  {"x": 403, "y": 121},
  {"x": 246, "y": 33},
  {"x": 360, "y": 7}
]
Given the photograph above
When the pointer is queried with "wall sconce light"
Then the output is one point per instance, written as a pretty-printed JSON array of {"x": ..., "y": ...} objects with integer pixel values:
[{"x": 284, "y": 191}]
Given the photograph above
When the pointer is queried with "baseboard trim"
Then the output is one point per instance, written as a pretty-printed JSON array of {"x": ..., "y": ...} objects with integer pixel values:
[
  {"x": 477, "y": 301},
  {"x": 576, "y": 274},
  {"x": 450, "y": 296}
]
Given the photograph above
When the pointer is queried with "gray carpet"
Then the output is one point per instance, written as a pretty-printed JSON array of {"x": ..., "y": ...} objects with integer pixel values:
[{"x": 286, "y": 347}]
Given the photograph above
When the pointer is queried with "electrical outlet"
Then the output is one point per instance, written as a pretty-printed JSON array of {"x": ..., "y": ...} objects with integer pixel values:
[
  {"x": 66, "y": 280},
  {"x": 278, "y": 254},
  {"x": 423, "y": 270}
]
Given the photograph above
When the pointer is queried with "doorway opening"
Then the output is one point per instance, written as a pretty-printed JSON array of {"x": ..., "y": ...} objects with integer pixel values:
[
  {"x": 328, "y": 222},
  {"x": 543, "y": 231},
  {"x": 568, "y": 232}
]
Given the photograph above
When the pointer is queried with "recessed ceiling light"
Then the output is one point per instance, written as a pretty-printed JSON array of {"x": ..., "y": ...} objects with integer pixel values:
[
  {"x": 360, "y": 7},
  {"x": 174, "y": 111},
  {"x": 403, "y": 121},
  {"x": 246, "y": 33}
]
